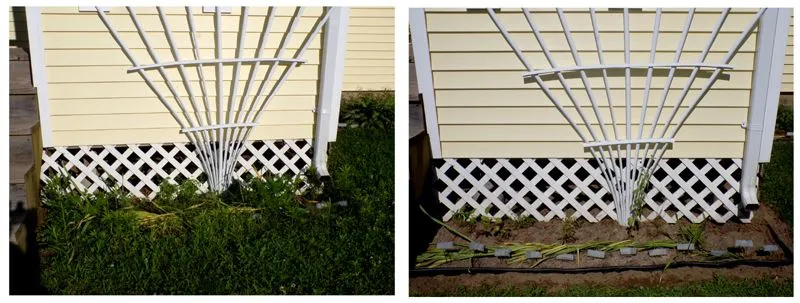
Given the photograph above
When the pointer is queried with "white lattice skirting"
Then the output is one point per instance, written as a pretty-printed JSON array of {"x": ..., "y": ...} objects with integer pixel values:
[
  {"x": 695, "y": 189},
  {"x": 140, "y": 168}
]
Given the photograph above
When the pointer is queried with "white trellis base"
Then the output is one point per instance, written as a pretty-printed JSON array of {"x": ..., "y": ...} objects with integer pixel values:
[
  {"x": 695, "y": 189},
  {"x": 139, "y": 168}
]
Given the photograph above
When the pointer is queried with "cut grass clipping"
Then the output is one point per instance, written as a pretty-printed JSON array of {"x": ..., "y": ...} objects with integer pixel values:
[
  {"x": 258, "y": 237},
  {"x": 435, "y": 257}
]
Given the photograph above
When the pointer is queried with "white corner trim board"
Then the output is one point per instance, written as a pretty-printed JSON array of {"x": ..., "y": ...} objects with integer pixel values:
[
  {"x": 422, "y": 62},
  {"x": 773, "y": 30},
  {"x": 39, "y": 72},
  {"x": 774, "y": 44},
  {"x": 330, "y": 86}
]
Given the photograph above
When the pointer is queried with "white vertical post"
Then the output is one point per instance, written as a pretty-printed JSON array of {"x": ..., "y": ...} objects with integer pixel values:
[
  {"x": 422, "y": 63},
  {"x": 33, "y": 16},
  {"x": 774, "y": 42},
  {"x": 330, "y": 85},
  {"x": 772, "y": 31}
]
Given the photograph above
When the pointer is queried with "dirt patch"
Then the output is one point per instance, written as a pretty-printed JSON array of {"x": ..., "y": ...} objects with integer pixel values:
[
  {"x": 717, "y": 236},
  {"x": 625, "y": 279}
]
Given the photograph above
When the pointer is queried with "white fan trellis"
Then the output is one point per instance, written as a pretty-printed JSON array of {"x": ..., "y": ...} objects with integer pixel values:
[
  {"x": 625, "y": 158},
  {"x": 219, "y": 140}
]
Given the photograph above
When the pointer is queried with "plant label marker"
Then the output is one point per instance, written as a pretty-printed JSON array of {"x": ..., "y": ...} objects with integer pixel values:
[
  {"x": 475, "y": 246},
  {"x": 770, "y": 248},
  {"x": 342, "y": 203},
  {"x": 628, "y": 251},
  {"x": 599, "y": 254},
  {"x": 533, "y": 255},
  {"x": 446, "y": 246},
  {"x": 744, "y": 244},
  {"x": 657, "y": 252},
  {"x": 685, "y": 246},
  {"x": 502, "y": 253},
  {"x": 566, "y": 257},
  {"x": 717, "y": 253}
]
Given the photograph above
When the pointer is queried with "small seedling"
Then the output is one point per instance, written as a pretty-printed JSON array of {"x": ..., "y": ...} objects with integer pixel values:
[
  {"x": 566, "y": 257},
  {"x": 475, "y": 246},
  {"x": 694, "y": 234},
  {"x": 596, "y": 254},
  {"x": 657, "y": 252},
  {"x": 533, "y": 255},
  {"x": 568, "y": 230},
  {"x": 628, "y": 251},
  {"x": 502, "y": 252}
]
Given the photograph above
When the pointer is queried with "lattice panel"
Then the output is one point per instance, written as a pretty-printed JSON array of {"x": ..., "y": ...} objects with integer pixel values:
[
  {"x": 139, "y": 168},
  {"x": 695, "y": 189}
]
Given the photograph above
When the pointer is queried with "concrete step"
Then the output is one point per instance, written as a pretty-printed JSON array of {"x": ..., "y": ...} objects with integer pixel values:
[
  {"x": 23, "y": 115},
  {"x": 21, "y": 151}
]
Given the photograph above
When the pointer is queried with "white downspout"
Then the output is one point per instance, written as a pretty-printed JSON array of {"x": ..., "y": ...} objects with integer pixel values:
[
  {"x": 330, "y": 86},
  {"x": 770, "y": 50}
]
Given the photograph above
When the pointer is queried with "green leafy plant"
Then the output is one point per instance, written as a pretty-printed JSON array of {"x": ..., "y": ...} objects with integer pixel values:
[
  {"x": 639, "y": 195},
  {"x": 253, "y": 238},
  {"x": 369, "y": 110},
  {"x": 693, "y": 233},
  {"x": 785, "y": 119},
  {"x": 568, "y": 229}
]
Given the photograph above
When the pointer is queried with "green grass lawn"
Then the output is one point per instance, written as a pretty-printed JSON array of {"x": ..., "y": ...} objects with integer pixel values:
[
  {"x": 719, "y": 287},
  {"x": 255, "y": 238},
  {"x": 776, "y": 185}
]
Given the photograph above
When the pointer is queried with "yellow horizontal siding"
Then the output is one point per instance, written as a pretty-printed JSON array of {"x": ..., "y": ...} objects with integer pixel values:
[
  {"x": 787, "y": 81},
  {"x": 485, "y": 109},
  {"x": 140, "y": 89},
  {"x": 465, "y": 42},
  {"x": 508, "y": 60},
  {"x": 564, "y": 133},
  {"x": 169, "y": 135},
  {"x": 537, "y": 98},
  {"x": 165, "y": 120},
  {"x": 110, "y": 57},
  {"x": 575, "y": 150},
  {"x": 94, "y": 100},
  {"x": 581, "y": 22},
  {"x": 84, "y": 74},
  {"x": 616, "y": 79},
  {"x": 63, "y": 107},
  {"x": 368, "y": 68},
  {"x": 550, "y": 115}
]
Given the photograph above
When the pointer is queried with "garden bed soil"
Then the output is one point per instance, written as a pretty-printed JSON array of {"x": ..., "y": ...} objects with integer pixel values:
[{"x": 717, "y": 236}]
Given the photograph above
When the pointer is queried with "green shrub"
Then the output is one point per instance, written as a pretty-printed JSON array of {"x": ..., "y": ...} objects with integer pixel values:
[
  {"x": 369, "y": 110},
  {"x": 785, "y": 119},
  {"x": 777, "y": 185},
  {"x": 255, "y": 238}
]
